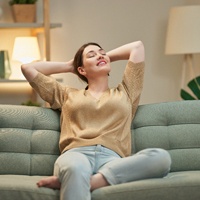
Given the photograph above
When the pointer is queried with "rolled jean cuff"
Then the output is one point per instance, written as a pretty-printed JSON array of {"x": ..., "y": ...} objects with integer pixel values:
[{"x": 109, "y": 176}]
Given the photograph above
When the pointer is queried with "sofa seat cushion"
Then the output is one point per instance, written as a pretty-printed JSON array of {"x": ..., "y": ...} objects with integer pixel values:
[
  {"x": 22, "y": 187},
  {"x": 177, "y": 185}
]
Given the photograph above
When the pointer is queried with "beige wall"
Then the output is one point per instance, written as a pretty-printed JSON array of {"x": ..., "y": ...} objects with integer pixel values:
[{"x": 113, "y": 23}]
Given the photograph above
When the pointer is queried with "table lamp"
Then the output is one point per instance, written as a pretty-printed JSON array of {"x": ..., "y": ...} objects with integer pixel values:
[
  {"x": 183, "y": 36},
  {"x": 26, "y": 49}
]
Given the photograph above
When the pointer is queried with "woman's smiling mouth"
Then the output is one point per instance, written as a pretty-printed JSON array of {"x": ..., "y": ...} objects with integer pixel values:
[{"x": 101, "y": 63}]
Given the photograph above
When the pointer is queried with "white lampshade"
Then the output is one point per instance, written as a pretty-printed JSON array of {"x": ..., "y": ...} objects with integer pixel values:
[
  {"x": 183, "y": 34},
  {"x": 26, "y": 49}
]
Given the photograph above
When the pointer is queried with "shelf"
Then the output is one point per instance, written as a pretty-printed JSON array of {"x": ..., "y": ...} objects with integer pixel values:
[
  {"x": 12, "y": 81},
  {"x": 35, "y": 29},
  {"x": 27, "y": 25},
  {"x": 22, "y": 80}
]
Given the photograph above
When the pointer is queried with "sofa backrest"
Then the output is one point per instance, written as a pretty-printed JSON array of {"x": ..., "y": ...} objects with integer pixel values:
[
  {"x": 29, "y": 136},
  {"x": 28, "y": 140},
  {"x": 174, "y": 126}
]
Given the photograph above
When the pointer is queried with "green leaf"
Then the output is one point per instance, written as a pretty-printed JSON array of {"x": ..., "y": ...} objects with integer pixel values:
[
  {"x": 186, "y": 96},
  {"x": 194, "y": 86}
]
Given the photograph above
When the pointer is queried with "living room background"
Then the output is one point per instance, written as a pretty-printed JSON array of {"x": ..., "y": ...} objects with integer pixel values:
[{"x": 111, "y": 24}]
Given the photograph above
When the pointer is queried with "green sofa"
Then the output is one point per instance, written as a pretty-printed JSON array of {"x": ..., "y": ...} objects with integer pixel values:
[{"x": 29, "y": 147}]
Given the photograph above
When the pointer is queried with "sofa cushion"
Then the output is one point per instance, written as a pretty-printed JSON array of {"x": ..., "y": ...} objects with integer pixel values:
[
  {"x": 174, "y": 126},
  {"x": 177, "y": 185},
  {"x": 29, "y": 138},
  {"x": 24, "y": 187}
]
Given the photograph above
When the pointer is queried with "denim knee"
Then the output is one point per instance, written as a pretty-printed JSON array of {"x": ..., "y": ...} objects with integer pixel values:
[{"x": 161, "y": 158}]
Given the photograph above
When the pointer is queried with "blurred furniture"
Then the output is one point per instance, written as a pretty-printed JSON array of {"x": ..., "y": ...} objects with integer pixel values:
[
  {"x": 34, "y": 29},
  {"x": 11, "y": 88}
]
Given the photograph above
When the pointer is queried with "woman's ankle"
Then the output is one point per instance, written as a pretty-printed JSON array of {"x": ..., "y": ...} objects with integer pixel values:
[{"x": 98, "y": 181}]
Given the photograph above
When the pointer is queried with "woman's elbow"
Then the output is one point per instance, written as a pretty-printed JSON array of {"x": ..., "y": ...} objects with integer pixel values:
[
  {"x": 28, "y": 72},
  {"x": 140, "y": 46},
  {"x": 23, "y": 68},
  {"x": 138, "y": 52}
]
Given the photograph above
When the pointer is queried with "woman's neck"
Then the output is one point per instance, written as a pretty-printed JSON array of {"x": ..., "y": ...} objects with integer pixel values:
[{"x": 98, "y": 85}]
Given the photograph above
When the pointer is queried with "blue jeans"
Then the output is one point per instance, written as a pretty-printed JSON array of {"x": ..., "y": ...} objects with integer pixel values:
[{"x": 75, "y": 167}]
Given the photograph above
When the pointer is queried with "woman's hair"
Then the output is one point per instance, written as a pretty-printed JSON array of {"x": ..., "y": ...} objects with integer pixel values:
[{"x": 78, "y": 59}]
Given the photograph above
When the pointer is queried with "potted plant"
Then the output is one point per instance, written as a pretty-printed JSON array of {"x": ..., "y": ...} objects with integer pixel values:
[
  {"x": 194, "y": 86},
  {"x": 23, "y": 10},
  {"x": 31, "y": 103}
]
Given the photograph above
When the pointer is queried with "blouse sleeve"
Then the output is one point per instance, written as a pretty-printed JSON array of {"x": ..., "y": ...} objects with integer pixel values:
[
  {"x": 133, "y": 82},
  {"x": 49, "y": 90}
]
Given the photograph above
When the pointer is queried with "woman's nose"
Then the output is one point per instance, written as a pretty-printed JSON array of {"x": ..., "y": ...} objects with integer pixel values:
[{"x": 100, "y": 56}]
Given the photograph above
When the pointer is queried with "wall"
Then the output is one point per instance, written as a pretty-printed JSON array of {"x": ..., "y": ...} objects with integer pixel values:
[{"x": 113, "y": 23}]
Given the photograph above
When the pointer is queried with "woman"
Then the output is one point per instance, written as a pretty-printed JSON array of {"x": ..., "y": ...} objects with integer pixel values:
[{"x": 95, "y": 140}]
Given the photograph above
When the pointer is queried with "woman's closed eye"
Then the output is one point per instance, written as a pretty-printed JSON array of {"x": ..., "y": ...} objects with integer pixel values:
[
  {"x": 102, "y": 52},
  {"x": 92, "y": 54}
]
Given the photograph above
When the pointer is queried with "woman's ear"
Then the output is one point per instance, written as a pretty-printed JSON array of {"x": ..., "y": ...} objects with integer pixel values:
[{"x": 81, "y": 71}]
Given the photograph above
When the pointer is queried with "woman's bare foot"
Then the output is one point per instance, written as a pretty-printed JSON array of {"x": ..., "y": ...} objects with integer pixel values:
[
  {"x": 50, "y": 182},
  {"x": 98, "y": 181}
]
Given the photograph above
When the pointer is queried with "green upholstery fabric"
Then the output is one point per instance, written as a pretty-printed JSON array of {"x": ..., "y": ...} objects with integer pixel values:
[
  {"x": 174, "y": 126},
  {"x": 176, "y": 186},
  {"x": 19, "y": 187},
  {"x": 29, "y": 147},
  {"x": 28, "y": 140}
]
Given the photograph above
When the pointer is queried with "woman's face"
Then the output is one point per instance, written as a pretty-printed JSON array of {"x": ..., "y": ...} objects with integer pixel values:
[{"x": 95, "y": 62}]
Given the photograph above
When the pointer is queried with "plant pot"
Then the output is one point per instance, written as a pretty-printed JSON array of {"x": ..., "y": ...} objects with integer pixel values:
[{"x": 24, "y": 13}]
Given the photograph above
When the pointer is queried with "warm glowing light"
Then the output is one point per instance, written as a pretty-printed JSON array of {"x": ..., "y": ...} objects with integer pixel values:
[{"x": 26, "y": 49}]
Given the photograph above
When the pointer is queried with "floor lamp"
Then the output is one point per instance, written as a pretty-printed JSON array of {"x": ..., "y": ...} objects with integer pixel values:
[{"x": 183, "y": 36}]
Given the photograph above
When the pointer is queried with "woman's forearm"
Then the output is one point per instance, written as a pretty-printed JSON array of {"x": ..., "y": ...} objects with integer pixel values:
[
  {"x": 133, "y": 51},
  {"x": 47, "y": 68}
]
